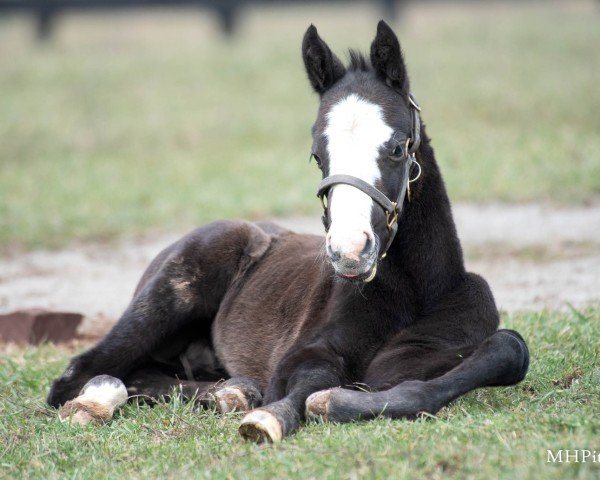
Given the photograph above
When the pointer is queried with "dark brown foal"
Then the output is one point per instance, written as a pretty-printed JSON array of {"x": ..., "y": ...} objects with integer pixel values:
[{"x": 255, "y": 318}]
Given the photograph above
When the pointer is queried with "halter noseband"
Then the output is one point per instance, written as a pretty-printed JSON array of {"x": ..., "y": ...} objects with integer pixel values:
[{"x": 392, "y": 209}]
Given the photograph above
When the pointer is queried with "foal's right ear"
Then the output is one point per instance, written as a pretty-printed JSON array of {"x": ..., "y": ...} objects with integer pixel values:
[{"x": 322, "y": 66}]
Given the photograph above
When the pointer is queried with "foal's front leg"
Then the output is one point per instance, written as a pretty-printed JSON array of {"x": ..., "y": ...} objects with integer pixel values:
[
  {"x": 305, "y": 371},
  {"x": 500, "y": 360}
]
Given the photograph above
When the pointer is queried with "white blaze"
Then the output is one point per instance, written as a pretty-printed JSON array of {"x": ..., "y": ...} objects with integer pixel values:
[{"x": 355, "y": 132}]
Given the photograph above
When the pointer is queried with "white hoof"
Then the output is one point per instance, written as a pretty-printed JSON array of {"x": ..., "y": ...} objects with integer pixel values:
[
  {"x": 96, "y": 402},
  {"x": 317, "y": 405},
  {"x": 261, "y": 426},
  {"x": 230, "y": 399}
]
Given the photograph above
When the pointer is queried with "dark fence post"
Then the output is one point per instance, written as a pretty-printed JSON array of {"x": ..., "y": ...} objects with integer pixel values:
[
  {"x": 46, "y": 11},
  {"x": 390, "y": 9},
  {"x": 45, "y": 20},
  {"x": 227, "y": 13}
]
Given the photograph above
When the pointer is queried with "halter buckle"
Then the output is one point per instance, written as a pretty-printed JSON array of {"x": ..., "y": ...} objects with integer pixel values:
[
  {"x": 392, "y": 217},
  {"x": 323, "y": 204}
]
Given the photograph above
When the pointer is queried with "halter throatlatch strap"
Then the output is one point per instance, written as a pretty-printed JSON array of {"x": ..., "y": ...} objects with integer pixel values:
[
  {"x": 391, "y": 209},
  {"x": 415, "y": 137}
]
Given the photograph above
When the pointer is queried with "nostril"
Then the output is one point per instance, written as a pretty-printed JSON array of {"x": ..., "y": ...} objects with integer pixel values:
[
  {"x": 368, "y": 244},
  {"x": 334, "y": 255}
]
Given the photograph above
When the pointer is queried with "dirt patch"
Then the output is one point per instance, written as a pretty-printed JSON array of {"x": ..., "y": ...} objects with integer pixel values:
[
  {"x": 566, "y": 381},
  {"x": 533, "y": 256}
]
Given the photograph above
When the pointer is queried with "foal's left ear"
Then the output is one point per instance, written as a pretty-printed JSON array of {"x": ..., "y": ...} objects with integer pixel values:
[{"x": 387, "y": 60}]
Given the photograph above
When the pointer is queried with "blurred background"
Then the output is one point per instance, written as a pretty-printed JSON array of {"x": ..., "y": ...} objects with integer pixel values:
[{"x": 143, "y": 120}]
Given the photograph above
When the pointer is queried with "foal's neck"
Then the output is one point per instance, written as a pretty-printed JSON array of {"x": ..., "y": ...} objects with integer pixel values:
[{"x": 426, "y": 249}]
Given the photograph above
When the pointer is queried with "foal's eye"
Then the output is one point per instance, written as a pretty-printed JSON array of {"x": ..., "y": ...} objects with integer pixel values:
[
  {"x": 317, "y": 159},
  {"x": 397, "y": 152}
]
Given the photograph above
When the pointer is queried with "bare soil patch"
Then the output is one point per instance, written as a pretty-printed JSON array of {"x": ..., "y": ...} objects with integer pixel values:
[{"x": 534, "y": 256}]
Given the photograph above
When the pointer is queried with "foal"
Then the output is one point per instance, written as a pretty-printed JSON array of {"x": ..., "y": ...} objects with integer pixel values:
[{"x": 392, "y": 309}]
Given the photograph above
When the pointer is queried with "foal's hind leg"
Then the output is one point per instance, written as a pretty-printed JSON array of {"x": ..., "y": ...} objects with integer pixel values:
[
  {"x": 501, "y": 360},
  {"x": 154, "y": 315},
  {"x": 238, "y": 394},
  {"x": 182, "y": 287},
  {"x": 149, "y": 384},
  {"x": 103, "y": 394}
]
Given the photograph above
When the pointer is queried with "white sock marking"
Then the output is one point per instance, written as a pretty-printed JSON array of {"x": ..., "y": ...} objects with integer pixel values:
[{"x": 112, "y": 393}]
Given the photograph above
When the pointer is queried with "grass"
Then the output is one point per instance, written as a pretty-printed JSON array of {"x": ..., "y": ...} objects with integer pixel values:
[
  {"x": 489, "y": 433},
  {"x": 125, "y": 124}
]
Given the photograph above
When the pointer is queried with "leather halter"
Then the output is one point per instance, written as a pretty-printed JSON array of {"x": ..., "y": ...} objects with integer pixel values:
[{"x": 391, "y": 209}]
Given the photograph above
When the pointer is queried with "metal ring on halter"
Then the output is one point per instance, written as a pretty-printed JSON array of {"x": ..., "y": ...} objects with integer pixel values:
[
  {"x": 413, "y": 102},
  {"x": 406, "y": 147},
  {"x": 414, "y": 160}
]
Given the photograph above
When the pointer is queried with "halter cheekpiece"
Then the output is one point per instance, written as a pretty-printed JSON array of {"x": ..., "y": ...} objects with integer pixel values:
[{"x": 391, "y": 209}]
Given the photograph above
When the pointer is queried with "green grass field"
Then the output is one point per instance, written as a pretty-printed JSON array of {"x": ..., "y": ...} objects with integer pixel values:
[
  {"x": 136, "y": 123},
  {"x": 126, "y": 124},
  {"x": 490, "y": 433}
]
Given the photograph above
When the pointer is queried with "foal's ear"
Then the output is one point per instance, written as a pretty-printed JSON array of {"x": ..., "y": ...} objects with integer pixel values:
[
  {"x": 322, "y": 66},
  {"x": 387, "y": 60}
]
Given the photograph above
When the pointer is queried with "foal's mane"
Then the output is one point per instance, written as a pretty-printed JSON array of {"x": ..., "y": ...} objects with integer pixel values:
[{"x": 358, "y": 62}]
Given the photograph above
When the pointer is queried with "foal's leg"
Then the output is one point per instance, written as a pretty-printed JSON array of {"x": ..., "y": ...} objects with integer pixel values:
[
  {"x": 301, "y": 373},
  {"x": 103, "y": 394},
  {"x": 182, "y": 287},
  {"x": 154, "y": 315},
  {"x": 451, "y": 350},
  {"x": 238, "y": 394},
  {"x": 150, "y": 384},
  {"x": 500, "y": 360}
]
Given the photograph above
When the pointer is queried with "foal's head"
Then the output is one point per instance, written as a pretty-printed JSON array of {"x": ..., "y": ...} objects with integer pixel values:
[{"x": 364, "y": 130}]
